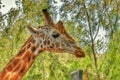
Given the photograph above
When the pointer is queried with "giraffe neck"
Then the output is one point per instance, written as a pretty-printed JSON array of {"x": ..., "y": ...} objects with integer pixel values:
[{"x": 21, "y": 63}]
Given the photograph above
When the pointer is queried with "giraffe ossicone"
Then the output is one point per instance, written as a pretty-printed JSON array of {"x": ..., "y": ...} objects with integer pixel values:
[{"x": 49, "y": 37}]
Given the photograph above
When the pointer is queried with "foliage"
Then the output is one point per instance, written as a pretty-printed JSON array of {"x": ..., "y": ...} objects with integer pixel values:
[
  {"x": 83, "y": 19},
  {"x": 111, "y": 63}
]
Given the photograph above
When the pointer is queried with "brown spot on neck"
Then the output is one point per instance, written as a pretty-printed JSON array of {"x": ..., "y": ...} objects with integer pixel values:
[
  {"x": 17, "y": 67},
  {"x": 21, "y": 52},
  {"x": 12, "y": 64},
  {"x": 2, "y": 75},
  {"x": 33, "y": 48},
  {"x": 26, "y": 46}
]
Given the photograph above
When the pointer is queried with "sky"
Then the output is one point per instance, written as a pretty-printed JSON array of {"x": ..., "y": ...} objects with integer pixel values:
[{"x": 8, "y": 5}]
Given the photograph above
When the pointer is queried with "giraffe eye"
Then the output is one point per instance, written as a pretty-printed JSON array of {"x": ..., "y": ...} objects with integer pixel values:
[{"x": 55, "y": 35}]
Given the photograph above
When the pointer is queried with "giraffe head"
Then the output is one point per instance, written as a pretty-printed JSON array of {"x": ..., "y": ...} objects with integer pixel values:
[{"x": 54, "y": 38}]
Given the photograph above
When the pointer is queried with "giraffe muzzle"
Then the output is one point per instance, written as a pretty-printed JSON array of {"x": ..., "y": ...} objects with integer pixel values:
[{"x": 79, "y": 53}]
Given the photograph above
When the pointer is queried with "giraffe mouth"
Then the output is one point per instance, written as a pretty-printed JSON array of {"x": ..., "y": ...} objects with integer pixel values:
[{"x": 79, "y": 53}]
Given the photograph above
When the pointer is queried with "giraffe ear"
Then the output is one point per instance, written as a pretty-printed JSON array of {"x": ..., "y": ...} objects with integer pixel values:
[
  {"x": 33, "y": 31},
  {"x": 60, "y": 27},
  {"x": 47, "y": 18}
]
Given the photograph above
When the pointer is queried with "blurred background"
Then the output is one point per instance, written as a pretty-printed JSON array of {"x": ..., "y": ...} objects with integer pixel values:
[{"x": 94, "y": 24}]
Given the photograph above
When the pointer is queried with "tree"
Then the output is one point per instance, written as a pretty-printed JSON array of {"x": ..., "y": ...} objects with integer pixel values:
[
  {"x": 83, "y": 19},
  {"x": 94, "y": 16}
]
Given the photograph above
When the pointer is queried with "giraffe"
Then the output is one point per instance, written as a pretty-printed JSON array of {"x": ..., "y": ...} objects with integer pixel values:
[{"x": 49, "y": 37}]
